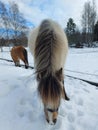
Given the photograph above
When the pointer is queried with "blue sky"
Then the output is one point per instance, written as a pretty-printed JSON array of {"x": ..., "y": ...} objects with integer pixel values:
[{"x": 60, "y": 10}]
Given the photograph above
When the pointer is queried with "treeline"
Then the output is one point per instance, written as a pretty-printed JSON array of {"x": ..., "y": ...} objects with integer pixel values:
[
  {"x": 13, "y": 25},
  {"x": 14, "y": 28},
  {"x": 88, "y": 34}
]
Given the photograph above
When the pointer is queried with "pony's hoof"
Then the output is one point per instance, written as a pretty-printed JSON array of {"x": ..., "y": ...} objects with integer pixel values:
[{"x": 67, "y": 98}]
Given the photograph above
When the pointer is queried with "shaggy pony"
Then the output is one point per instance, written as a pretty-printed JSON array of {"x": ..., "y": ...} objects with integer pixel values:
[{"x": 49, "y": 46}]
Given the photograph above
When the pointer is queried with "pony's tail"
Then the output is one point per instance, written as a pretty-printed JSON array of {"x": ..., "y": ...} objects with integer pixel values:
[{"x": 26, "y": 58}]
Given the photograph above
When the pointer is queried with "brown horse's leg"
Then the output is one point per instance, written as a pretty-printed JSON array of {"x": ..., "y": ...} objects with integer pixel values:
[
  {"x": 64, "y": 93},
  {"x": 25, "y": 58},
  {"x": 26, "y": 64},
  {"x": 17, "y": 63}
]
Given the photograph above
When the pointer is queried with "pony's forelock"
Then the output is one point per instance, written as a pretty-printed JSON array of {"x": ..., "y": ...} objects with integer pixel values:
[{"x": 50, "y": 90}]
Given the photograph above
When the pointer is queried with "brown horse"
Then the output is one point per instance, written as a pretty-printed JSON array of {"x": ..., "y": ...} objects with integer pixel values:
[
  {"x": 19, "y": 53},
  {"x": 49, "y": 46}
]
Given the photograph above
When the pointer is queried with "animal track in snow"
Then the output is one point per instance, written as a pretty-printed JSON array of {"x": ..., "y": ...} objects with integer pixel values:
[
  {"x": 71, "y": 117},
  {"x": 68, "y": 106},
  {"x": 71, "y": 127},
  {"x": 79, "y": 101},
  {"x": 80, "y": 113},
  {"x": 5, "y": 87}
]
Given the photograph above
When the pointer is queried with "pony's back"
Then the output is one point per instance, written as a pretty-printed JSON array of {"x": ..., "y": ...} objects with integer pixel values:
[{"x": 48, "y": 44}]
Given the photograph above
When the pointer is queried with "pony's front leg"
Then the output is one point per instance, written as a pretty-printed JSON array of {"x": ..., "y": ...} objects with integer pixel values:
[{"x": 64, "y": 95}]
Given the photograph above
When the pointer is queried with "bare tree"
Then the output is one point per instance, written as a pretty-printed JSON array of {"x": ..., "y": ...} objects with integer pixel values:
[
  {"x": 13, "y": 25},
  {"x": 94, "y": 15},
  {"x": 5, "y": 19},
  {"x": 88, "y": 21},
  {"x": 18, "y": 22},
  {"x": 4, "y": 24}
]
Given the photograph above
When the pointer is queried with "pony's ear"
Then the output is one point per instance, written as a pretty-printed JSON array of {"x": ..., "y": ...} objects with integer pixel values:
[{"x": 59, "y": 74}]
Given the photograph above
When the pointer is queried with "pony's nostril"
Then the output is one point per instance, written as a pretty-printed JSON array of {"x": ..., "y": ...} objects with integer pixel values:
[{"x": 54, "y": 121}]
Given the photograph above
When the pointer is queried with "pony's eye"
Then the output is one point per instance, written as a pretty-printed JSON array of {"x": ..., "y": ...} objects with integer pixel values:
[{"x": 50, "y": 110}]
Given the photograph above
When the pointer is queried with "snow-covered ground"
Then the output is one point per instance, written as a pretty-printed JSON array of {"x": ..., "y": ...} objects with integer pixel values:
[
  {"x": 21, "y": 107},
  {"x": 85, "y": 61}
]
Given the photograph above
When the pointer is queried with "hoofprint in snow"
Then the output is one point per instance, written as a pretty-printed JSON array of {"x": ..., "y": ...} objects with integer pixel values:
[{"x": 21, "y": 107}]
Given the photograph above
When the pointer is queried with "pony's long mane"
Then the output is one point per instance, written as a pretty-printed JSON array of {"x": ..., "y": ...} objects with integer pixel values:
[{"x": 44, "y": 50}]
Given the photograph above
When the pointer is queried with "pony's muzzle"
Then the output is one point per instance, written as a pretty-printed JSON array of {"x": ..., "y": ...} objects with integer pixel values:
[
  {"x": 51, "y": 116},
  {"x": 53, "y": 122}
]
